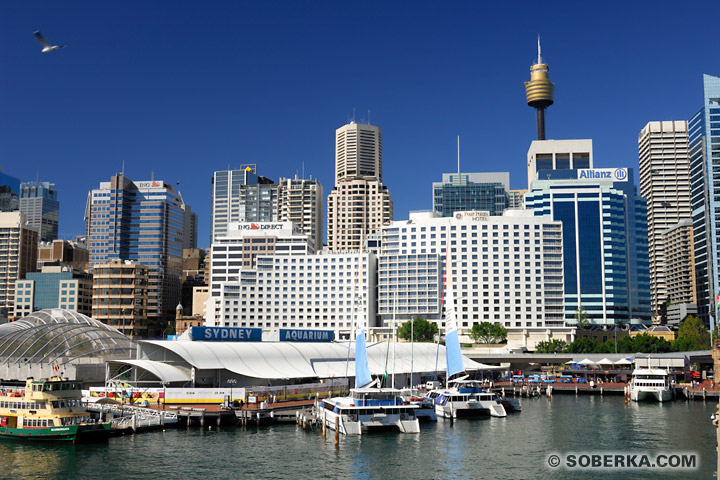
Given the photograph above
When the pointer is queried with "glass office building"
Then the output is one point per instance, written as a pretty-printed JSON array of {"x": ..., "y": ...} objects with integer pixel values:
[
  {"x": 9, "y": 193},
  {"x": 143, "y": 222},
  {"x": 465, "y": 192},
  {"x": 605, "y": 249},
  {"x": 241, "y": 196},
  {"x": 39, "y": 202},
  {"x": 704, "y": 153}
]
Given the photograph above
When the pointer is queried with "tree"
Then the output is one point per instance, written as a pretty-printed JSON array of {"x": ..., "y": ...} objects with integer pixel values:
[
  {"x": 585, "y": 345},
  {"x": 581, "y": 317},
  {"x": 692, "y": 335},
  {"x": 553, "y": 346},
  {"x": 487, "y": 332},
  {"x": 423, "y": 331}
]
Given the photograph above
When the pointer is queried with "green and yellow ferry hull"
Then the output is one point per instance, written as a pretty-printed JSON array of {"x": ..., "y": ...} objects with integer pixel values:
[{"x": 68, "y": 433}]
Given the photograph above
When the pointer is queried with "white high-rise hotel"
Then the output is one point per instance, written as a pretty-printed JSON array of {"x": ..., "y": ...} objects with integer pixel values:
[{"x": 359, "y": 203}]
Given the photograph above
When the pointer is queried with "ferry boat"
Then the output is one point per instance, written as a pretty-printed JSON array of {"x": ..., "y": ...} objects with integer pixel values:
[
  {"x": 370, "y": 409},
  {"x": 464, "y": 399},
  {"x": 48, "y": 410},
  {"x": 650, "y": 384}
]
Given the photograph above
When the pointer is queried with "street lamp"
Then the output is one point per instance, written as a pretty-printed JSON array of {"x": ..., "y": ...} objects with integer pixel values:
[{"x": 231, "y": 382}]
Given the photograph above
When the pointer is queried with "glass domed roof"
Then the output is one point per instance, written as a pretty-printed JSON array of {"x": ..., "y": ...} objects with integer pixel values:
[{"x": 61, "y": 335}]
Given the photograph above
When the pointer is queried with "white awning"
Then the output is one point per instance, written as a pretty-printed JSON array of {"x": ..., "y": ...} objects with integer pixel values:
[{"x": 166, "y": 373}]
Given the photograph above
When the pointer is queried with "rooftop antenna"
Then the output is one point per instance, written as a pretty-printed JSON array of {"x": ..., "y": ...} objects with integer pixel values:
[
  {"x": 123, "y": 168},
  {"x": 152, "y": 175},
  {"x": 539, "y": 57},
  {"x": 37, "y": 176},
  {"x": 369, "y": 116},
  {"x": 458, "y": 153},
  {"x": 353, "y": 115},
  {"x": 303, "y": 170}
]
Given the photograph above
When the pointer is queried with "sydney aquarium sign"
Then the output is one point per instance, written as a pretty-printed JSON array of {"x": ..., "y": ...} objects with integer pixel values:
[
  {"x": 226, "y": 334},
  {"x": 292, "y": 335},
  {"x": 613, "y": 174}
]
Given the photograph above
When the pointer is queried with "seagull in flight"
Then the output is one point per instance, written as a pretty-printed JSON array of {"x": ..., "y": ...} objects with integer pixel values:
[{"x": 46, "y": 46}]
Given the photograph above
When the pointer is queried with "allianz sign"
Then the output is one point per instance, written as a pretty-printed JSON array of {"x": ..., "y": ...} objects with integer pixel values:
[{"x": 614, "y": 174}]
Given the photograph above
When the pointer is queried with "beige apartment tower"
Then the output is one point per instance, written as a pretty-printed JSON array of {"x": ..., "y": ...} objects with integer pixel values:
[
  {"x": 665, "y": 184},
  {"x": 301, "y": 201},
  {"x": 120, "y": 296},
  {"x": 359, "y": 204},
  {"x": 18, "y": 255}
]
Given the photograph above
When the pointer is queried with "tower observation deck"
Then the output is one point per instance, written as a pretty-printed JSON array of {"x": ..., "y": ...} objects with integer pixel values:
[{"x": 539, "y": 92}]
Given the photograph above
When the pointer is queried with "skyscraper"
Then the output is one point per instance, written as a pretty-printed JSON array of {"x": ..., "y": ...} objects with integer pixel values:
[
  {"x": 241, "y": 196},
  {"x": 604, "y": 228},
  {"x": 665, "y": 185},
  {"x": 9, "y": 193},
  {"x": 38, "y": 200},
  {"x": 142, "y": 222},
  {"x": 465, "y": 192},
  {"x": 301, "y": 201},
  {"x": 359, "y": 204},
  {"x": 704, "y": 152},
  {"x": 18, "y": 255}
]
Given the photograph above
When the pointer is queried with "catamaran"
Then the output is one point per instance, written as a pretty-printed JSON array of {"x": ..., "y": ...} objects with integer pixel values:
[
  {"x": 464, "y": 397},
  {"x": 367, "y": 407},
  {"x": 650, "y": 384}
]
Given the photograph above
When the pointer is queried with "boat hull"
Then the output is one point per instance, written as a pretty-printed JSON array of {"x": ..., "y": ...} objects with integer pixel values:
[
  {"x": 360, "y": 424},
  {"x": 638, "y": 395},
  {"x": 69, "y": 433}
]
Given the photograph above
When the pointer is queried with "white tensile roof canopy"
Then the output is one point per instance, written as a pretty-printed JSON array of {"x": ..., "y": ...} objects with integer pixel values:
[{"x": 291, "y": 360}]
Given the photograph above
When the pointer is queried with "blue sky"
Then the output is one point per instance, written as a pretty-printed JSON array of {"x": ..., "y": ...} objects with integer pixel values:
[{"x": 181, "y": 89}]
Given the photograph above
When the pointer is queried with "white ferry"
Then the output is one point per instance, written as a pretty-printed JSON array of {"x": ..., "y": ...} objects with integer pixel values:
[
  {"x": 48, "y": 410},
  {"x": 369, "y": 409},
  {"x": 650, "y": 384},
  {"x": 465, "y": 399}
]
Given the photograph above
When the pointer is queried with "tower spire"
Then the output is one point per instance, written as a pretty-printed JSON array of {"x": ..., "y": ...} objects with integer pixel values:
[{"x": 539, "y": 61}]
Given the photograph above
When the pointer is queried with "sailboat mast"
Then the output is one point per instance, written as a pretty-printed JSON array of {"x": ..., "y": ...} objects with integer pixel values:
[{"x": 394, "y": 338}]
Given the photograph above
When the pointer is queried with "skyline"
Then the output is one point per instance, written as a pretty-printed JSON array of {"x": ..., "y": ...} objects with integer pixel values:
[{"x": 180, "y": 92}]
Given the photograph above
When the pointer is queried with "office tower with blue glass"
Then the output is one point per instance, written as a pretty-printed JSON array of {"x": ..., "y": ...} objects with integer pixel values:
[
  {"x": 704, "y": 153},
  {"x": 9, "y": 193},
  {"x": 39, "y": 202},
  {"x": 142, "y": 222},
  {"x": 241, "y": 196},
  {"x": 464, "y": 192},
  {"x": 605, "y": 252},
  {"x": 54, "y": 287}
]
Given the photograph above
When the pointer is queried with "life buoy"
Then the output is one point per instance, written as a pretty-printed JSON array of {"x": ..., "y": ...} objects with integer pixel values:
[{"x": 403, "y": 416}]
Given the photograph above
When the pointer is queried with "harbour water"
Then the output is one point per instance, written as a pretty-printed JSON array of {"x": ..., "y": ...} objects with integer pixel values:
[{"x": 516, "y": 447}]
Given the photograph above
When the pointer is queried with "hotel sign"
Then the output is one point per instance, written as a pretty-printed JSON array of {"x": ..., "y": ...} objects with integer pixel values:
[
  {"x": 472, "y": 216},
  {"x": 226, "y": 334},
  {"x": 293, "y": 335},
  {"x": 614, "y": 174}
]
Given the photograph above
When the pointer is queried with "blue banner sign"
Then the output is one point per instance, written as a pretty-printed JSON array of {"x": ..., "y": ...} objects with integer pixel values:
[
  {"x": 293, "y": 335},
  {"x": 226, "y": 334}
]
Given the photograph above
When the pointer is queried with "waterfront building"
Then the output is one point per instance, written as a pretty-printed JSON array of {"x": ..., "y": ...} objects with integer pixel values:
[
  {"x": 63, "y": 253},
  {"x": 239, "y": 249},
  {"x": 241, "y": 196},
  {"x": 9, "y": 193},
  {"x": 516, "y": 198},
  {"x": 39, "y": 202},
  {"x": 461, "y": 192},
  {"x": 121, "y": 290},
  {"x": 143, "y": 222},
  {"x": 301, "y": 201},
  {"x": 704, "y": 152},
  {"x": 54, "y": 287},
  {"x": 296, "y": 291},
  {"x": 18, "y": 255},
  {"x": 359, "y": 204},
  {"x": 680, "y": 268},
  {"x": 507, "y": 269},
  {"x": 665, "y": 185},
  {"x": 605, "y": 256},
  {"x": 545, "y": 155}
]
